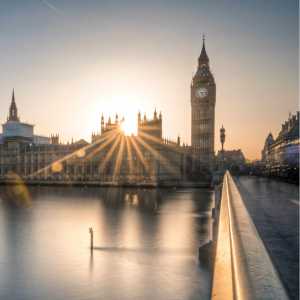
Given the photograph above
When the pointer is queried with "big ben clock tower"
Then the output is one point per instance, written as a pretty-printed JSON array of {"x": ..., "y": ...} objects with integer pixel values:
[{"x": 203, "y": 100}]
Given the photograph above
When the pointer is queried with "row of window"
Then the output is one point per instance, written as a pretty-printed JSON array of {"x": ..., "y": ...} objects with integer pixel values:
[{"x": 200, "y": 115}]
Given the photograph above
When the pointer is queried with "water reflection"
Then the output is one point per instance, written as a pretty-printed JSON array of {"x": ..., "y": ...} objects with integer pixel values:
[
  {"x": 146, "y": 244},
  {"x": 91, "y": 261},
  {"x": 16, "y": 194}
]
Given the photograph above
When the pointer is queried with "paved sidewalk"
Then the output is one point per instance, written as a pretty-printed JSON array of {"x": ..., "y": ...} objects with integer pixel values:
[{"x": 274, "y": 208}]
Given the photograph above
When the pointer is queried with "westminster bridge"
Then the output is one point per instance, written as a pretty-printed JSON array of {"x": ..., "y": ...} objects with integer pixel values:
[{"x": 257, "y": 243}]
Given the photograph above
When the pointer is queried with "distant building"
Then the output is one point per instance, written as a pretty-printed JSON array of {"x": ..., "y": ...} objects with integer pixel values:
[
  {"x": 280, "y": 155},
  {"x": 15, "y": 130},
  {"x": 268, "y": 143},
  {"x": 25, "y": 154},
  {"x": 233, "y": 160}
]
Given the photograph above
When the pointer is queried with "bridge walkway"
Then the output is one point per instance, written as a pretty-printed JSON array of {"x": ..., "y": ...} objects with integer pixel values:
[{"x": 274, "y": 209}]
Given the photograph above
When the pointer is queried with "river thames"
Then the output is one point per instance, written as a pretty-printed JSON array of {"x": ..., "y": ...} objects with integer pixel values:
[{"x": 146, "y": 243}]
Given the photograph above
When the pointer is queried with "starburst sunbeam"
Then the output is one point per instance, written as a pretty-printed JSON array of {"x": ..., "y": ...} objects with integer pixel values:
[
  {"x": 129, "y": 153},
  {"x": 67, "y": 157},
  {"x": 119, "y": 159},
  {"x": 158, "y": 155},
  {"x": 110, "y": 153},
  {"x": 140, "y": 155},
  {"x": 107, "y": 139}
]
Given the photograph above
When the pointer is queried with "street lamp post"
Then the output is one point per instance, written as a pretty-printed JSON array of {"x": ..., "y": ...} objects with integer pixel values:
[{"x": 222, "y": 139}]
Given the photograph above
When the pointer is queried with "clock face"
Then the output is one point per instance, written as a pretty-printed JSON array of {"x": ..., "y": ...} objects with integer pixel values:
[{"x": 201, "y": 92}]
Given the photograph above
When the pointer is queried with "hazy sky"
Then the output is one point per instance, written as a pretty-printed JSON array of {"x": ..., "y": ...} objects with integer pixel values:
[{"x": 70, "y": 60}]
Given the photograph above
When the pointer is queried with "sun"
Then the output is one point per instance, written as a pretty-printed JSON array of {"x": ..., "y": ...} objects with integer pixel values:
[{"x": 129, "y": 126}]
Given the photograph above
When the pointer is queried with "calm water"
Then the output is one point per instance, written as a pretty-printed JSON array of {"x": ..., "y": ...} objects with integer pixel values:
[{"x": 146, "y": 243}]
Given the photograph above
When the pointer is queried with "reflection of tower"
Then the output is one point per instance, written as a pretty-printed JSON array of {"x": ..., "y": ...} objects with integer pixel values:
[
  {"x": 222, "y": 137},
  {"x": 203, "y": 100}
]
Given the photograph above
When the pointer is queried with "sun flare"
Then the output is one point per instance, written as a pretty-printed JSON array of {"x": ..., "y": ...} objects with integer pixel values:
[{"x": 129, "y": 126}]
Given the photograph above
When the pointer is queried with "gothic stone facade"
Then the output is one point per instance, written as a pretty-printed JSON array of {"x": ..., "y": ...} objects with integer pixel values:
[
  {"x": 203, "y": 100},
  {"x": 282, "y": 153},
  {"x": 147, "y": 157}
]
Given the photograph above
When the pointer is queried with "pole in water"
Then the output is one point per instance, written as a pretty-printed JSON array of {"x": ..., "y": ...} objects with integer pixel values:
[{"x": 92, "y": 237}]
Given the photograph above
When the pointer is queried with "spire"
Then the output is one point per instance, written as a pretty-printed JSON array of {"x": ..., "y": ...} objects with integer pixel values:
[
  {"x": 222, "y": 137},
  {"x": 155, "y": 114},
  {"x": 13, "y": 111},
  {"x": 203, "y": 58}
]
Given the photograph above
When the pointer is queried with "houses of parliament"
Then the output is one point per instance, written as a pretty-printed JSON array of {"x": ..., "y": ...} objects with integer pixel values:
[{"x": 112, "y": 157}]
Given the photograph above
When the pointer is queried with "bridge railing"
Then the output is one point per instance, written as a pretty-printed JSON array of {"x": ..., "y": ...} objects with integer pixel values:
[{"x": 242, "y": 268}]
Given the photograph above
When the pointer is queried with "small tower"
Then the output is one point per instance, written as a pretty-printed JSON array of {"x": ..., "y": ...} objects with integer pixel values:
[
  {"x": 150, "y": 127},
  {"x": 13, "y": 111},
  {"x": 55, "y": 139},
  {"x": 155, "y": 115},
  {"x": 222, "y": 137}
]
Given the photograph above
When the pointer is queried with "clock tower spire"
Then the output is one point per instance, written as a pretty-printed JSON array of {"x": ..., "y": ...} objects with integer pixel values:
[
  {"x": 203, "y": 100},
  {"x": 203, "y": 58}
]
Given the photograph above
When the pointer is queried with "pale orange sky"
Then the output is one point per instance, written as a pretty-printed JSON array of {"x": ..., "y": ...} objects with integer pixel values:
[{"x": 71, "y": 63}]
